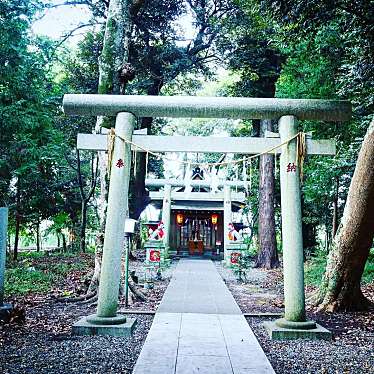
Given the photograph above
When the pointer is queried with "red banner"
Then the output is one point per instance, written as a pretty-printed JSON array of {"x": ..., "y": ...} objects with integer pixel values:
[
  {"x": 235, "y": 257},
  {"x": 154, "y": 255}
]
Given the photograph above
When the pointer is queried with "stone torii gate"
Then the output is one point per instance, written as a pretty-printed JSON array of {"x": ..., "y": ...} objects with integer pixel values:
[{"x": 127, "y": 108}]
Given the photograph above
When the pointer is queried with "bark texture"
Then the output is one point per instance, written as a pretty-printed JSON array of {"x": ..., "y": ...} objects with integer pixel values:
[
  {"x": 267, "y": 256},
  {"x": 114, "y": 56},
  {"x": 335, "y": 208},
  {"x": 340, "y": 289}
]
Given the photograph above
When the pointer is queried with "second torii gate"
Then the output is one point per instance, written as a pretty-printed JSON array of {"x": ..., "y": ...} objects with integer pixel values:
[{"x": 127, "y": 108}]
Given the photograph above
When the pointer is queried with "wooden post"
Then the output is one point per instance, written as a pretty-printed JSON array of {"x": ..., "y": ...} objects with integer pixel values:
[
  {"x": 293, "y": 256},
  {"x": 227, "y": 217},
  {"x": 166, "y": 210},
  {"x": 115, "y": 223}
]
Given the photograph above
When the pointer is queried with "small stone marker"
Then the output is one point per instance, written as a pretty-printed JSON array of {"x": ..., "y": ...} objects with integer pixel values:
[{"x": 4, "y": 307}]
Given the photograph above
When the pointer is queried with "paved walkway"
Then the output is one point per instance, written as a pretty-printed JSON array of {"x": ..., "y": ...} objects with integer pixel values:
[{"x": 198, "y": 328}]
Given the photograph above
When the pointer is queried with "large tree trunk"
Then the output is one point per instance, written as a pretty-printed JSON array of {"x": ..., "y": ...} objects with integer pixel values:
[
  {"x": 335, "y": 208},
  {"x": 113, "y": 57},
  {"x": 340, "y": 288},
  {"x": 140, "y": 198},
  {"x": 267, "y": 256}
]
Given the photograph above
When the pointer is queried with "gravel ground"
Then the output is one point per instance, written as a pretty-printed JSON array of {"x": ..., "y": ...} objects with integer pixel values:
[
  {"x": 39, "y": 339},
  {"x": 44, "y": 344},
  {"x": 350, "y": 351},
  {"x": 261, "y": 293}
]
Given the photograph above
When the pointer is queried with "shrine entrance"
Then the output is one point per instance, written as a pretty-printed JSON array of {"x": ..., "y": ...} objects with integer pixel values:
[
  {"x": 198, "y": 233},
  {"x": 289, "y": 142}
]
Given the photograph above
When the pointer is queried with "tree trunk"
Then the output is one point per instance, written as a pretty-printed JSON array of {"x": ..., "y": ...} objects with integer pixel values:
[
  {"x": 18, "y": 221},
  {"x": 94, "y": 283},
  {"x": 309, "y": 238},
  {"x": 340, "y": 288},
  {"x": 16, "y": 236},
  {"x": 267, "y": 256},
  {"x": 64, "y": 249},
  {"x": 38, "y": 237},
  {"x": 73, "y": 230},
  {"x": 141, "y": 197},
  {"x": 114, "y": 55},
  {"x": 83, "y": 227}
]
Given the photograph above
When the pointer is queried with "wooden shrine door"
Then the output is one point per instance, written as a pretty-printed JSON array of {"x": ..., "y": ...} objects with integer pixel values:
[{"x": 197, "y": 234}]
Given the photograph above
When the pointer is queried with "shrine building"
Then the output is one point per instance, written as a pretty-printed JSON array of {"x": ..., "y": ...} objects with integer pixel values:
[{"x": 196, "y": 216}]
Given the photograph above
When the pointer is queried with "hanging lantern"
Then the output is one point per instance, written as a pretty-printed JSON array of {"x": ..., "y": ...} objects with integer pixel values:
[
  {"x": 180, "y": 219},
  {"x": 214, "y": 219}
]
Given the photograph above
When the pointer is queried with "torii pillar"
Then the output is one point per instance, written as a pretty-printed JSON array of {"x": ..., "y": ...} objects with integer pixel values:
[
  {"x": 106, "y": 321},
  {"x": 294, "y": 324}
]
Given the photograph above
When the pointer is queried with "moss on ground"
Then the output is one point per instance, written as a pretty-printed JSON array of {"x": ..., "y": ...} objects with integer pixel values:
[{"x": 38, "y": 272}]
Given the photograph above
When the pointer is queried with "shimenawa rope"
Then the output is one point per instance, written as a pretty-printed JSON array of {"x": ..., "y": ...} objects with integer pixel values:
[{"x": 300, "y": 152}]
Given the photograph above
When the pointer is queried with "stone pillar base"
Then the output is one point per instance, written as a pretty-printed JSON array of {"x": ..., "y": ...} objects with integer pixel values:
[
  {"x": 281, "y": 333},
  {"x": 113, "y": 326},
  {"x": 5, "y": 310}
]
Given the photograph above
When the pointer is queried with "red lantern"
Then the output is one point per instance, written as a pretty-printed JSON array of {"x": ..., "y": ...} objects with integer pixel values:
[
  {"x": 180, "y": 219},
  {"x": 214, "y": 219}
]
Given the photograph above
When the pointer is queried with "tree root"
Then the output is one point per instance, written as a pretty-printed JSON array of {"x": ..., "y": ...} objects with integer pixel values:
[
  {"x": 90, "y": 301},
  {"x": 138, "y": 294},
  {"x": 315, "y": 298},
  {"x": 85, "y": 297},
  {"x": 330, "y": 303}
]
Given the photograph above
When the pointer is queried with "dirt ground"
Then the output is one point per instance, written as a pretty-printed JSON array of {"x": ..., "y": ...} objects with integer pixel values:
[{"x": 350, "y": 351}]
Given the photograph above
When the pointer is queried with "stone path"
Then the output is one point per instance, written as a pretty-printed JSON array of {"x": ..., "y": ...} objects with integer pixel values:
[
  {"x": 198, "y": 328},
  {"x": 196, "y": 287}
]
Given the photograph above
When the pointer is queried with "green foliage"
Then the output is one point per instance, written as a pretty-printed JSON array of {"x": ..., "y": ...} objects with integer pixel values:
[
  {"x": 37, "y": 272},
  {"x": 31, "y": 147},
  {"x": 252, "y": 248},
  {"x": 351, "y": 42},
  {"x": 246, "y": 42},
  {"x": 368, "y": 276},
  {"x": 21, "y": 281},
  {"x": 243, "y": 265},
  {"x": 315, "y": 269}
]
